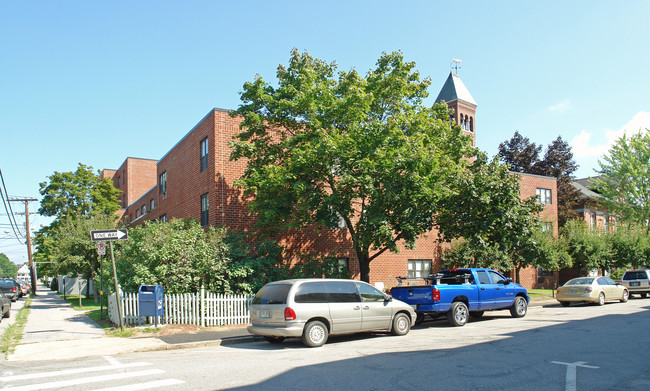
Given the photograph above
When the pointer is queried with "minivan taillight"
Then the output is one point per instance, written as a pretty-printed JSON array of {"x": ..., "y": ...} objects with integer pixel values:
[
  {"x": 289, "y": 314},
  {"x": 435, "y": 293}
]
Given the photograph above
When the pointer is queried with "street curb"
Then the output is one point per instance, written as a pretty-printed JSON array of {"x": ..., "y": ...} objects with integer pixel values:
[{"x": 200, "y": 344}]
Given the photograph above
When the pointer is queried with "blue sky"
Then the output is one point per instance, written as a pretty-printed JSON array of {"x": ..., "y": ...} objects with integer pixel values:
[{"x": 95, "y": 82}]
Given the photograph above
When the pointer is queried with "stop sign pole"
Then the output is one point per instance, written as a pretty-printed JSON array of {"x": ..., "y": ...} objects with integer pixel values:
[{"x": 109, "y": 236}]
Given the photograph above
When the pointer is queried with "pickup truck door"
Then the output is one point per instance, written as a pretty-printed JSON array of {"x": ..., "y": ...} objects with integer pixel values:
[
  {"x": 487, "y": 291},
  {"x": 504, "y": 293}
]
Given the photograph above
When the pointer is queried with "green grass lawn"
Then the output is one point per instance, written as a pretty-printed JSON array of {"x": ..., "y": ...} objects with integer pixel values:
[{"x": 541, "y": 294}]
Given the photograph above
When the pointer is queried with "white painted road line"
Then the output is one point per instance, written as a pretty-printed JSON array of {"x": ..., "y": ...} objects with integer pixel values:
[
  {"x": 85, "y": 380},
  {"x": 65, "y": 372},
  {"x": 571, "y": 373},
  {"x": 144, "y": 386}
]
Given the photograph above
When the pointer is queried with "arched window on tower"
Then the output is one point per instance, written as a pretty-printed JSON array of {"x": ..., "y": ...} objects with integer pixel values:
[{"x": 471, "y": 124}]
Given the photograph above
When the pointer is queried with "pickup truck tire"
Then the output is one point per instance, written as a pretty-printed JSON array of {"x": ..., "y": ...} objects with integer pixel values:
[
  {"x": 401, "y": 325},
  {"x": 315, "y": 334},
  {"x": 519, "y": 307},
  {"x": 458, "y": 314}
]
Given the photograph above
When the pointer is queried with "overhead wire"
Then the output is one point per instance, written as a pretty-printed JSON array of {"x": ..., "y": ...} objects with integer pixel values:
[{"x": 10, "y": 212}]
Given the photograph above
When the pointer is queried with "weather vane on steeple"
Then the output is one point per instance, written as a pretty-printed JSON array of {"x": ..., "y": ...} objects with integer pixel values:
[{"x": 455, "y": 66}]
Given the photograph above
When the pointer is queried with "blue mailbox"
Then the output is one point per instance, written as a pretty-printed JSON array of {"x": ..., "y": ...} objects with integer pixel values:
[{"x": 151, "y": 302}]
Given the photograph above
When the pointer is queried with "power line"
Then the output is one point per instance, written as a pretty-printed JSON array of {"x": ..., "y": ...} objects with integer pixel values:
[{"x": 12, "y": 217}]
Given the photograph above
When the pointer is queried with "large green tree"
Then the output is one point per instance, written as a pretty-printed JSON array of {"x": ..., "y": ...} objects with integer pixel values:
[
  {"x": 495, "y": 227},
  {"x": 82, "y": 193},
  {"x": 80, "y": 201},
  {"x": 7, "y": 268},
  {"x": 325, "y": 146},
  {"x": 624, "y": 184},
  {"x": 66, "y": 248}
]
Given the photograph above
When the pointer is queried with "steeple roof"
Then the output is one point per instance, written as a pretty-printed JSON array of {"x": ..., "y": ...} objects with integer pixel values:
[{"x": 454, "y": 89}]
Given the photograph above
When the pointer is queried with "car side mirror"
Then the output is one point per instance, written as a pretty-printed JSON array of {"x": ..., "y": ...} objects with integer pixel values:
[
  {"x": 388, "y": 298},
  {"x": 508, "y": 281}
]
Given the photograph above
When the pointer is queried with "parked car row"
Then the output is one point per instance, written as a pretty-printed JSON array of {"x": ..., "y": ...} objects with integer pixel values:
[
  {"x": 14, "y": 289},
  {"x": 601, "y": 289}
]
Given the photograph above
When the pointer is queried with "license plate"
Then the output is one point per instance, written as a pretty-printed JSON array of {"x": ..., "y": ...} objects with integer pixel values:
[
  {"x": 265, "y": 314},
  {"x": 572, "y": 291},
  {"x": 634, "y": 283}
]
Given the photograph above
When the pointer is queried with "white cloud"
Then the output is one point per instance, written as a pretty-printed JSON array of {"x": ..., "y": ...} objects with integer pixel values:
[
  {"x": 561, "y": 107},
  {"x": 582, "y": 147}
]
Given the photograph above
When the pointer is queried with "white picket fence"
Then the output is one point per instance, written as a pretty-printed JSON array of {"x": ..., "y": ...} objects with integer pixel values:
[{"x": 202, "y": 308}]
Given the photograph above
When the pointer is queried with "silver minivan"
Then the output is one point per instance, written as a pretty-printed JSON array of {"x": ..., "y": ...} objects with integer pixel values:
[{"x": 312, "y": 309}]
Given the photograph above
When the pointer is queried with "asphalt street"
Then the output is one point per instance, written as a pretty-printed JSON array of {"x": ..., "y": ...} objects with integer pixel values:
[{"x": 582, "y": 347}]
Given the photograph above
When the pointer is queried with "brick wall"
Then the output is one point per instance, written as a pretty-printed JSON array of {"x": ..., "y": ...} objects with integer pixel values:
[{"x": 186, "y": 183}]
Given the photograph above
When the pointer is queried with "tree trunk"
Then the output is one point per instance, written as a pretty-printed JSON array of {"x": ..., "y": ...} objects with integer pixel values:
[
  {"x": 517, "y": 274},
  {"x": 364, "y": 267}
]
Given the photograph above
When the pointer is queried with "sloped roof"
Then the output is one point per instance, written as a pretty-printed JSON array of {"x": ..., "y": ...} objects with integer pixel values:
[
  {"x": 454, "y": 89},
  {"x": 583, "y": 186}
]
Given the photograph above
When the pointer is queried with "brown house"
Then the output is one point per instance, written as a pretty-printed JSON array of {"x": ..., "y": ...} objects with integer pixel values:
[{"x": 195, "y": 179}]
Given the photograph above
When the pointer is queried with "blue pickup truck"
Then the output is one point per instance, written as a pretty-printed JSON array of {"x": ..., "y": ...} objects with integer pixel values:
[{"x": 461, "y": 293}]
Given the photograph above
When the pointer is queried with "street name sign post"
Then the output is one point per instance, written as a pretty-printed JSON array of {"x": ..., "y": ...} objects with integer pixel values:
[{"x": 110, "y": 235}]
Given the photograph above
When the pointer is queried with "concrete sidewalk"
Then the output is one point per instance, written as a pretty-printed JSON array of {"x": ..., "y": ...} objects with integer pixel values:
[{"x": 55, "y": 331}]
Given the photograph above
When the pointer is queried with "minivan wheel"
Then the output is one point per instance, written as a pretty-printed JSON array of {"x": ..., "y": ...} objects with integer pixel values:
[
  {"x": 274, "y": 339},
  {"x": 314, "y": 334},
  {"x": 401, "y": 324}
]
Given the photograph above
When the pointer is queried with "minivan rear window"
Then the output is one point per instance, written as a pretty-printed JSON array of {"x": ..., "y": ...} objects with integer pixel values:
[{"x": 272, "y": 294}]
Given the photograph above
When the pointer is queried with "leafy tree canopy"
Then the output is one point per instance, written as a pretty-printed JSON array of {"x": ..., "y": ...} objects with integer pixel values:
[
  {"x": 7, "y": 268},
  {"x": 624, "y": 184},
  {"x": 519, "y": 153},
  {"x": 81, "y": 193},
  {"x": 497, "y": 228},
  {"x": 326, "y": 146}
]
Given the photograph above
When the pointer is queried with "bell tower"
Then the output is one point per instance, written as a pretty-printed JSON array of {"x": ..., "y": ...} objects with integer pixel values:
[{"x": 457, "y": 97}]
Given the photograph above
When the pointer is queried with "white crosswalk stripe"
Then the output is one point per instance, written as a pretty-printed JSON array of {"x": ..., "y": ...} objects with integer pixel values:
[{"x": 115, "y": 365}]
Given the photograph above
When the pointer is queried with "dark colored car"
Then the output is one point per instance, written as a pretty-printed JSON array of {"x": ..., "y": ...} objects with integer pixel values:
[
  {"x": 10, "y": 288},
  {"x": 5, "y": 306}
]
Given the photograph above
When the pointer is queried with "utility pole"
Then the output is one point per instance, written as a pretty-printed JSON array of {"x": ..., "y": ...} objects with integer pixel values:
[{"x": 32, "y": 270}]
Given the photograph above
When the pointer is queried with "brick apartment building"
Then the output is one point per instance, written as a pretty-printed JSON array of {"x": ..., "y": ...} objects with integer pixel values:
[{"x": 195, "y": 179}]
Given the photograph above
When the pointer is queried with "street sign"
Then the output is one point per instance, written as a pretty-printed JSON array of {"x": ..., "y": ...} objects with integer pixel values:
[
  {"x": 108, "y": 235},
  {"x": 101, "y": 248}
]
